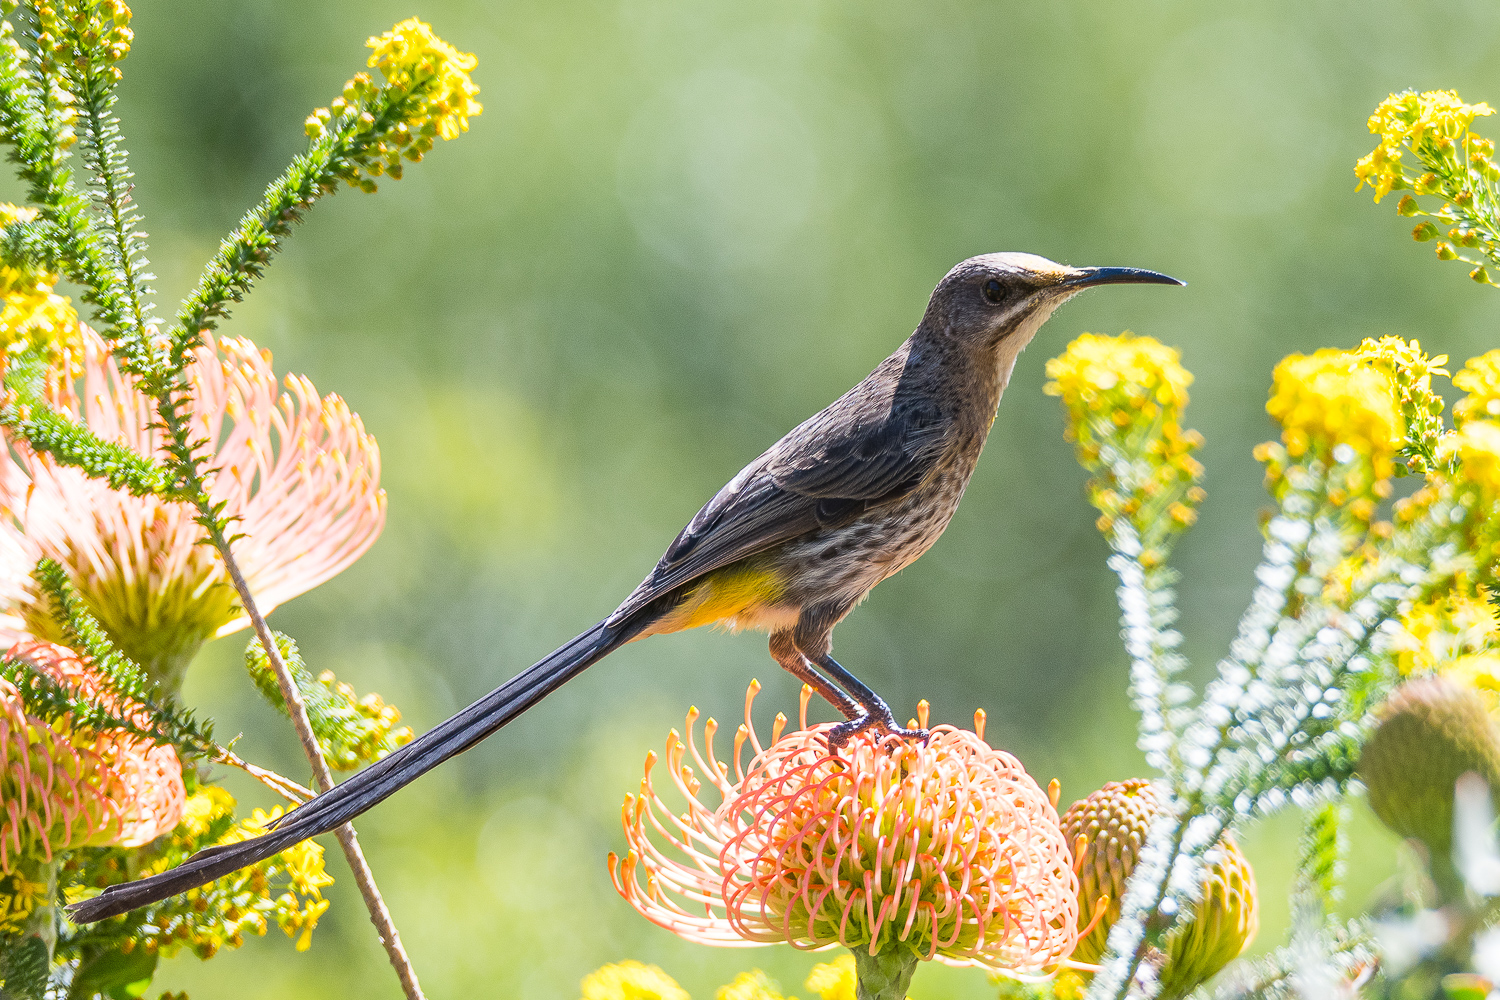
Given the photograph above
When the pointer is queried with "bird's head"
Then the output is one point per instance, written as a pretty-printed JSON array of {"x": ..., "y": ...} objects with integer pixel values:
[{"x": 996, "y": 302}]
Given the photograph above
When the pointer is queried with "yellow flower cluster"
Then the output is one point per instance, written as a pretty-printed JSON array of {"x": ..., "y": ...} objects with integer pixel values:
[
  {"x": 1480, "y": 378},
  {"x": 1410, "y": 372},
  {"x": 754, "y": 985},
  {"x": 426, "y": 81},
  {"x": 1480, "y": 671},
  {"x": 1477, "y": 445},
  {"x": 1449, "y": 627},
  {"x": 19, "y": 897},
  {"x": 221, "y": 913},
  {"x": 1454, "y": 165},
  {"x": 32, "y": 315},
  {"x": 1333, "y": 398},
  {"x": 632, "y": 980},
  {"x": 1455, "y": 635},
  {"x": 833, "y": 980},
  {"x": 72, "y": 34},
  {"x": 1465, "y": 496},
  {"x": 1097, "y": 371},
  {"x": 298, "y": 908},
  {"x": 1408, "y": 119},
  {"x": 414, "y": 59},
  {"x": 1124, "y": 398}
]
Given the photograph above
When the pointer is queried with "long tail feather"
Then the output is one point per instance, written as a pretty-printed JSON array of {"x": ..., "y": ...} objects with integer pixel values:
[{"x": 342, "y": 803}]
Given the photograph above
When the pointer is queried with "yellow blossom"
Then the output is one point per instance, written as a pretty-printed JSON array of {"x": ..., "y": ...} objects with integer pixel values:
[
  {"x": 427, "y": 95},
  {"x": 1124, "y": 398},
  {"x": 1410, "y": 372},
  {"x": 631, "y": 980},
  {"x": 1407, "y": 119},
  {"x": 303, "y": 862},
  {"x": 71, "y": 34},
  {"x": 19, "y": 897},
  {"x": 1480, "y": 671},
  {"x": 1435, "y": 633},
  {"x": 1333, "y": 398},
  {"x": 754, "y": 985},
  {"x": 221, "y": 912},
  {"x": 1480, "y": 378},
  {"x": 1069, "y": 985},
  {"x": 32, "y": 315},
  {"x": 1477, "y": 444},
  {"x": 203, "y": 807},
  {"x": 833, "y": 980},
  {"x": 1140, "y": 367},
  {"x": 1452, "y": 164},
  {"x": 36, "y": 318},
  {"x": 410, "y": 56},
  {"x": 12, "y": 214}
]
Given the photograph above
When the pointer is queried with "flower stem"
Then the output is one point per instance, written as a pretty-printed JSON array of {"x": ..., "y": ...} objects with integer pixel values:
[
  {"x": 280, "y": 784},
  {"x": 380, "y": 916},
  {"x": 884, "y": 976}
]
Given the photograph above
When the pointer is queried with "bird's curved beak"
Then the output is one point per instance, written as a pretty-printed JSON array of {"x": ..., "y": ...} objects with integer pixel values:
[{"x": 1087, "y": 277}]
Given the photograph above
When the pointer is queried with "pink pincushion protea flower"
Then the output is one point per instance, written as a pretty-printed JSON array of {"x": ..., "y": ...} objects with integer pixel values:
[
  {"x": 948, "y": 848},
  {"x": 62, "y": 790},
  {"x": 299, "y": 474}
]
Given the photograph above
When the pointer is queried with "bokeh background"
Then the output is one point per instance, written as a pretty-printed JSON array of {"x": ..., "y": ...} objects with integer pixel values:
[{"x": 677, "y": 230}]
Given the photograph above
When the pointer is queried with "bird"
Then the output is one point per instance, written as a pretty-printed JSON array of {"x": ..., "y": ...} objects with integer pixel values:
[{"x": 790, "y": 545}]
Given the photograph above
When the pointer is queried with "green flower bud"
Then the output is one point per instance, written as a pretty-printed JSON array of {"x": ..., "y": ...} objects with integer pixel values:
[
  {"x": 1445, "y": 251},
  {"x": 1424, "y": 231},
  {"x": 1432, "y": 731},
  {"x": 1113, "y": 823},
  {"x": 1407, "y": 206}
]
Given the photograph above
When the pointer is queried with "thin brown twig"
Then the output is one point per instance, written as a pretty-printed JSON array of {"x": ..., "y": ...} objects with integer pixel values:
[
  {"x": 380, "y": 916},
  {"x": 278, "y": 783}
]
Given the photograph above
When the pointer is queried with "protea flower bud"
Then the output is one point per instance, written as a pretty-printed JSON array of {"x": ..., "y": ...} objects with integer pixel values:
[
  {"x": 1112, "y": 824},
  {"x": 1431, "y": 732}
]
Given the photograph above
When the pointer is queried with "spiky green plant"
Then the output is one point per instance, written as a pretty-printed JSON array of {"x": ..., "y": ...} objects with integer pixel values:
[{"x": 60, "y": 67}]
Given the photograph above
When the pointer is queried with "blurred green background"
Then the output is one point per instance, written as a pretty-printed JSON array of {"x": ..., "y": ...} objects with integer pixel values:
[{"x": 677, "y": 230}]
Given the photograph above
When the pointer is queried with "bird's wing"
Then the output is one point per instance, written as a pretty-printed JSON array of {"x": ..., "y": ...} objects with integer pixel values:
[
  {"x": 841, "y": 456},
  {"x": 824, "y": 473}
]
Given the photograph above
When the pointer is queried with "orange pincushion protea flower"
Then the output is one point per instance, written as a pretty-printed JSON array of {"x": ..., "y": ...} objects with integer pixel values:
[
  {"x": 63, "y": 790},
  {"x": 948, "y": 848},
  {"x": 298, "y": 473}
]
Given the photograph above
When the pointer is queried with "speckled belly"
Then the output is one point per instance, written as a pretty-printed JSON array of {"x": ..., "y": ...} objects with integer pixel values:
[{"x": 843, "y": 564}]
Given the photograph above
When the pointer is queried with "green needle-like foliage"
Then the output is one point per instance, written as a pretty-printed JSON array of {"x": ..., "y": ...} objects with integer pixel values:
[
  {"x": 1320, "y": 855},
  {"x": 351, "y": 731},
  {"x": 23, "y": 968},
  {"x": 163, "y": 722},
  {"x": 70, "y": 442},
  {"x": 59, "y": 70},
  {"x": 36, "y": 121},
  {"x": 1284, "y": 720}
]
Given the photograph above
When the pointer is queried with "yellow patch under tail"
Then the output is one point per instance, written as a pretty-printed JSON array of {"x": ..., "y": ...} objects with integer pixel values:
[{"x": 737, "y": 596}]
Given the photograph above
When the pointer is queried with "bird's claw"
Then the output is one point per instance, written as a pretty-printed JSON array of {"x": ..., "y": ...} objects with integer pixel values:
[{"x": 841, "y": 734}]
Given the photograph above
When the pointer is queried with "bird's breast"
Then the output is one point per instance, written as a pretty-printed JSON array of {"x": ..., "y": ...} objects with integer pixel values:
[{"x": 846, "y": 562}]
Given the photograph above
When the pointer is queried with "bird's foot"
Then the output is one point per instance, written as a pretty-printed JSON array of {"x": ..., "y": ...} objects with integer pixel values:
[{"x": 842, "y": 733}]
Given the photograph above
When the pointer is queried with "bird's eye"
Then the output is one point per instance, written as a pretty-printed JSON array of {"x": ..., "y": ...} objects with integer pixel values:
[{"x": 994, "y": 292}]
